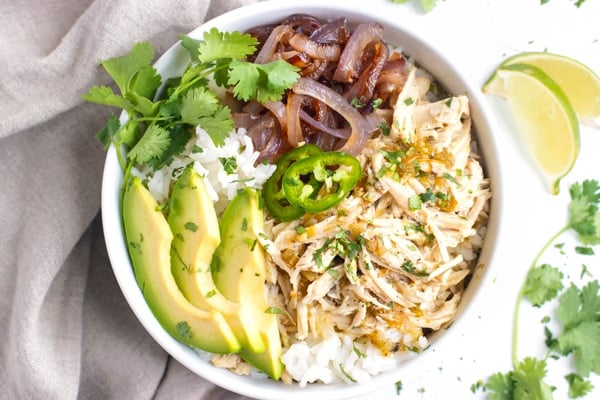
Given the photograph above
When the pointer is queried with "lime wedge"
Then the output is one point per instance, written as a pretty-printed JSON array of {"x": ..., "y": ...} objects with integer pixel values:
[
  {"x": 579, "y": 82},
  {"x": 546, "y": 120}
]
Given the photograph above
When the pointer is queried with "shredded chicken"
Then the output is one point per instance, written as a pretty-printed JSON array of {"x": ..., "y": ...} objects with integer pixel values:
[{"x": 396, "y": 254}]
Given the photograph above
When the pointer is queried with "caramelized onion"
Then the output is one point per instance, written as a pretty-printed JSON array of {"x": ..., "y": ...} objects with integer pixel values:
[
  {"x": 262, "y": 130},
  {"x": 275, "y": 146},
  {"x": 294, "y": 127},
  {"x": 269, "y": 48},
  {"x": 336, "y": 65},
  {"x": 333, "y": 32},
  {"x": 243, "y": 120},
  {"x": 277, "y": 108},
  {"x": 304, "y": 23},
  {"x": 363, "y": 35},
  {"x": 364, "y": 87},
  {"x": 359, "y": 132},
  {"x": 327, "y": 52},
  {"x": 340, "y": 133},
  {"x": 391, "y": 79}
]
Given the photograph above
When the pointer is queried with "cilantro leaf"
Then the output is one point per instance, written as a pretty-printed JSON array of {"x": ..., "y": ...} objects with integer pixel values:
[
  {"x": 525, "y": 382},
  {"x": 217, "y": 45},
  {"x": 579, "y": 316},
  {"x": 584, "y": 217},
  {"x": 122, "y": 69},
  {"x": 218, "y": 125},
  {"x": 221, "y": 72},
  {"x": 152, "y": 144},
  {"x": 179, "y": 136},
  {"x": 145, "y": 82},
  {"x": 193, "y": 76},
  {"x": 170, "y": 107},
  {"x": 529, "y": 380},
  {"x": 191, "y": 45},
  {"x": 198, "y": 103},
  {"x": 500, "y": 386},
  {"x": 129, "y": 133},
  {"x": 543, "y": 284},
  {"x": 105, "y": 95},
  {"x": 108, "y": 131},
  {"x": 281, "y": 75},
  {"x": 142, "y": 105},
  {"x": 265, "y": 82},
  {"x": 578, "y": 387},
  {"x": 246, "y": 78}
]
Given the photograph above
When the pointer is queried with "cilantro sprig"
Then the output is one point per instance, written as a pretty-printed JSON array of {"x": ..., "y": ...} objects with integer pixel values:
[
  {"x": 577, "y": 313},
  {"x": 161, "y": 115}
]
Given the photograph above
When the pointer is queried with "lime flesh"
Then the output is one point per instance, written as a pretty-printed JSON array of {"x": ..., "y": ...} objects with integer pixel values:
[
  {"x": 580, "y": 83},
  {"x": 545, "y": 117}
]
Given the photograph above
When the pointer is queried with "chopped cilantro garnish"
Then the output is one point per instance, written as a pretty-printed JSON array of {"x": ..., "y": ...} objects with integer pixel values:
[
  {"x": 398, "y": 385},
  {"x": 409, "y": 267},
  {"x": 377, "y": 103},
  {"x": 274, "y": 310},
  {"x": 584, "y": 250},
  {"x": 190, "y": 226},
  {"x": 342, "y": 245},
  {"x": 346, "y": 374},
  {"x": 357, "y": 351},
  {"x": 356, "y": 102},
  {"x": 384, "y": 128},
  {"x": 183, "y": 329},
  {"x": 414, "y": 203},
  {"x": 229, "y": 164}
]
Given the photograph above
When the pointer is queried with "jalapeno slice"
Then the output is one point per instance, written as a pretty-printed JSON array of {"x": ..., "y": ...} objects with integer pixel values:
[
  {"x": 275, "y": 200},
  {"x": 322, "y": 181}
]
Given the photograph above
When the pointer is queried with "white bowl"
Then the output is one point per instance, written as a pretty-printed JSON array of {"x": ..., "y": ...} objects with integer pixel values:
[{"x": 172, "y": 63}]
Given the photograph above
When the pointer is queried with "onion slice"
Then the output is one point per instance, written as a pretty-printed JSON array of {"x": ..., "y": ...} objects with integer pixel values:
[
  {"x": 327, "y": 52},
  {"x": 363, "y": 35},
  {"x": 340, "y": 133},
  {"x": 268, "y": 50},
  {"x": 294, "y": 128},
  {"x": 335, "y": 101}
]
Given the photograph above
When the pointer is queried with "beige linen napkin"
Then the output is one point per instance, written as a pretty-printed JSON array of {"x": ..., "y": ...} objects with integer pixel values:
[{"x": 66, "y": 331}]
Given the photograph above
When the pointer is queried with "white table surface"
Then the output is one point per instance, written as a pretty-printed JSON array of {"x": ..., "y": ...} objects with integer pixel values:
[{"x": 480, "y": 35}]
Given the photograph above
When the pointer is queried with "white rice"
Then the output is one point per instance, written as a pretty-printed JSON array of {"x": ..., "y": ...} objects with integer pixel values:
[
  {"x": 207, "y": 160},
  {"x": 339, "y": 359}
]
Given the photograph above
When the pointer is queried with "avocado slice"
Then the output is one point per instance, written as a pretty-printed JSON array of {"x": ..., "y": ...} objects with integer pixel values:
[
  {"x": 193, "y": 221},
  {"x": 149, "y": 242},
  {"x": 238, "y": 269},
  {"x": 270, "y": 360}
]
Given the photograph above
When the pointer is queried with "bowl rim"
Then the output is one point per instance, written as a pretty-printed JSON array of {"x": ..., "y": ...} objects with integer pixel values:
[{"x": 442, "y": 69}]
